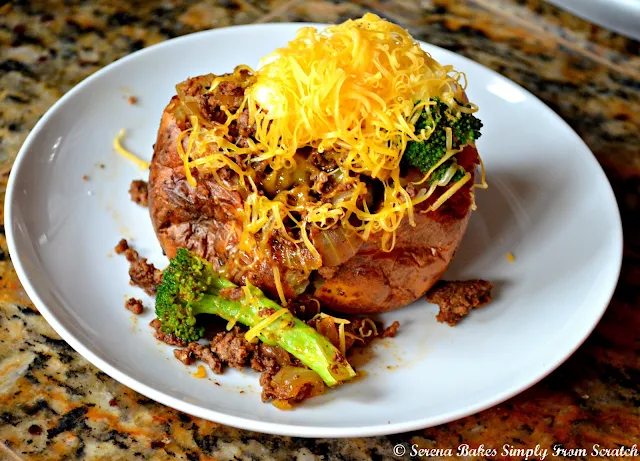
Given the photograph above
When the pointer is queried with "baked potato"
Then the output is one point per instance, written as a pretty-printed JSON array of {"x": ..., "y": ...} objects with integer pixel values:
[{"x": 355, "y": 276}]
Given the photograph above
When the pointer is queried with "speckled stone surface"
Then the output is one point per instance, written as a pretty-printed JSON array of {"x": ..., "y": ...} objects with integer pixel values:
[{"x": 55, "y": 405}]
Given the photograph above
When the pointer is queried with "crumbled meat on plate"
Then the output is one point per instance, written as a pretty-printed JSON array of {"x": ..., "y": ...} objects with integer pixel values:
[
  {"x": 391, "y": 331},
  {"x": 232, "y": 293},
  {"x": 139, "y": 192},
  {"x": 122, "y": 246},
  {"x": 134, "y": 305},
  {"x": 279, "y": 368},
  {"x": 206, "y": 355},
  {"x": 270, "y": 358},
  {"x": 142, "y": 273},
  {"x": 184, "y": 355},
  {"x": 232, "y": 348},
  {"x": 131, "y": 255},
  {"x": 456, "y": 299}
]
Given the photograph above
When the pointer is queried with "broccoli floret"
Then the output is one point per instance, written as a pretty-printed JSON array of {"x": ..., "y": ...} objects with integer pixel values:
[
  {"x": 180, "y": 296},
  {"x": 424, "y": 155},
  {"x": 190, "y": 287}
]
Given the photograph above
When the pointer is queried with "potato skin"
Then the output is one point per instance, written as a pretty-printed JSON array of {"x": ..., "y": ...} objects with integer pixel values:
[
  {"x": 374, "y": 281},
  {"x": 207, "y": 220}
]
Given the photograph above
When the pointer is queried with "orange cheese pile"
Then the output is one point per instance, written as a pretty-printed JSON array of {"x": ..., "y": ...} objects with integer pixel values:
[{"x": 353, "y": 90}]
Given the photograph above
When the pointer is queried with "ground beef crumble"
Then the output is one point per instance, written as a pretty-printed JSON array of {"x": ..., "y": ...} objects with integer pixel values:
[
  {"x": 184, "y": 355},
  {"x": 232, "y": 293},
  {"x": 266, "y": 312},
  {"x": 145, "y": 275},
  {"x": 391, "y": 331},
  {"x": 134, "y": 305},
  {"x": 206, "y": 355},
  {"x": 232, "y": 348},
  {"x": 167, "y": 338},
  {"x": 457, "y": 298},
  {"x": 139, "y": 192},
  {"x": 122, "y": 246},
  {"x": 142, "y": 273},
  {"x": 270, "y": 358}
]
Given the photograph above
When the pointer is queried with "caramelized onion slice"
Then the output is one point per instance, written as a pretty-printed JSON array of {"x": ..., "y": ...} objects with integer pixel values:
[
  {"x": 296, "y": 383},
  {"x": 327, "y": 327},
  {"x": 277, "y": 353},
  {"x": 335, "y": 245}
]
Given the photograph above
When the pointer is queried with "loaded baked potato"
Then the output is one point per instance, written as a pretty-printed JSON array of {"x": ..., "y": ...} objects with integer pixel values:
[{"x": 212, "y": 206}]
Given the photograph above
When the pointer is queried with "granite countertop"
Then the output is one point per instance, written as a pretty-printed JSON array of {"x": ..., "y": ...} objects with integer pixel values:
[{"x": 55, "y": 405}]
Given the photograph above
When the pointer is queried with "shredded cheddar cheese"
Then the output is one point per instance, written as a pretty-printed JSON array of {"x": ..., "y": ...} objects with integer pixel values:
[
  {"x": 200, "y": 372},
  {"x": 354, "y": 337},
  {"x": 257, "y": 329},
  {"x": 483, "y": 181},
  {"x": 335, "y": 320},
  {"x": 249, "y": 299},
  {"x": 352, "y": 92},
  {"x": 278, "y": 281},
  {"x": 452, "y": 190},
  {"x": 372, "y": 331},
  {"x": 117, "y": 145},
  {"x": 343, "y": 342},
  {"x": 231, "y": 323}
]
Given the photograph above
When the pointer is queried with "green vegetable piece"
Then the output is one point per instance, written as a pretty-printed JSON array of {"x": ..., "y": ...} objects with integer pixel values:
[
  {"x": 191, "y": 287},
  {"x": 425, "y": 155}
]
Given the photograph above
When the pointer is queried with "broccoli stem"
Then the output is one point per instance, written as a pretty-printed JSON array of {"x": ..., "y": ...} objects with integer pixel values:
[{"x": 288, "y": 332}]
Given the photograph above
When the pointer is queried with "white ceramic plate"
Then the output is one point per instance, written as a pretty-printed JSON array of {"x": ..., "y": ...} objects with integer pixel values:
[{"x": 549, "y": 203}]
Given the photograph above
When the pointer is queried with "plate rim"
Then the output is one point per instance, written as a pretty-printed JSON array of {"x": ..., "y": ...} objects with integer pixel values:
[{"x": 254, "y": 424}]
